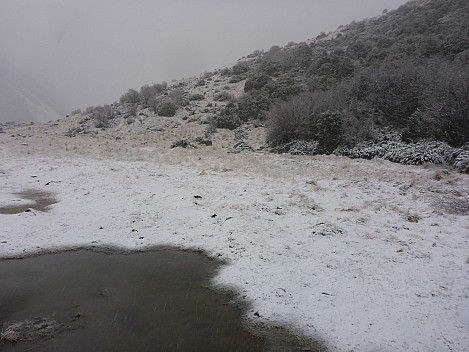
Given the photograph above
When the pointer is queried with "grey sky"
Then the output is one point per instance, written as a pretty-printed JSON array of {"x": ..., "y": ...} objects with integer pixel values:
[{"x": 88, "y": 52}]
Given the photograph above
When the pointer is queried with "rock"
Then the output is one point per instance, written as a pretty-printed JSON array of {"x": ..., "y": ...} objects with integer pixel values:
[
  {"x": 201, "y": 141},
  {"x": 241, "y": 133},
  {"x": 240, "y": 147},
  {"x": 29, "y": 330},
  {"x": 183, "y": 143}
]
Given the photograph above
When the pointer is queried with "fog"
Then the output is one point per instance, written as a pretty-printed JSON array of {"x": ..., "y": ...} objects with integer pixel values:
[{"x": 90, "y": 52}]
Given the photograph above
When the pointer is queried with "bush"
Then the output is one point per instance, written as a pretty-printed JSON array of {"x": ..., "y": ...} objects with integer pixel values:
[
  {"x": 131, "y": 97},
  {"x": 254, "y": 105},
  {"x": 101, "y": 115},
  {"x": 201, "y": 82},
  {"x": 290, "y": 121},
  {"x": 336, "y": 64},
  {"x": 236, "y": 79},
  {"x": 149, "y": 91},
  {"x": 133, "y": 110},
  {"x": 256, "y": 82},
  {"x": 167, "y": 109},
  {"x": 226, "y": 72},
  {"x": 240, "y": 68},
  {"x": 227, "y": 118},
  {"x": 196, "y": 97},
  {"x": 177, "y": 97},
  {"x": 223, "y": 96},
  {"x": 284, "y": 87},
  {"x": 329, "y": 133}
]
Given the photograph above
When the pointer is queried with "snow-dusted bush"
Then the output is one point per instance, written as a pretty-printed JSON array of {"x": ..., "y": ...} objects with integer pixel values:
[
  {"x": 131, "y": 97},
  {"x": 240, "y": 68},
  {"x": 414, "y": 154},
  {"x": 196, "y": 96},
  {"x": 433, "y": 152},
  {"x": 223, "y": 96},
  {"x": 167, "y": 109},
  {"x": 297, "y": 148},
  {"x": 461, "y": 162},
  {"x": 227, "y": 118}
]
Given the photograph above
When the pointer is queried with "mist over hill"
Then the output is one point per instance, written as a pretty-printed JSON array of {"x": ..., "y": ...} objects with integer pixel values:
[
  {"x": 395, "y": 86},
  {"x": 88, "y": 52},
  {"x": 22, "y": 100}
]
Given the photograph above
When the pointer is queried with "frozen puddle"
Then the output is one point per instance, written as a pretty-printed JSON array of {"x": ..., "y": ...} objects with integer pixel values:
[
  {"x": 147, "y": 301},
  {"x": 25, "y": 200}
]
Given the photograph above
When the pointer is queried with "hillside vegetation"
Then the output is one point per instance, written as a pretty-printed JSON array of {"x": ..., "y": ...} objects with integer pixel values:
[
  {"x": 407, "y": 70},
  {"x": 395, "y": 86}
]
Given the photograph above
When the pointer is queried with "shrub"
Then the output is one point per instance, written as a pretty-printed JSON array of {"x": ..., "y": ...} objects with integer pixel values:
[
  {"x": 290, "y": 121},
  {"x": 201, "y": 82},
  {"x": 329, "y": 131},
  {"x": 133, "y": 110},
  {"x": 226, "y": 72},
  {"x": 272, "y": 62},
  {"x": 167, "y": 109},
  {"x": 236, "y": 79},
  {"x": 240, "y": 68},
  {"x": 148, "y": 91},
  {"x": 131, "y": 97},
  {"x": 336, "y": 64},
  {"x": 256, "y": 82},
  {"x": 101, "y": 115},
  {"x": 196, "y": 96},
  {"x": 223, "y": 96},
  {"x": 283, "y": 87},
  {"x": 227, "y": 118},
  {"x": 177, "y": 97},
  {"x": 254, "y": 105}
]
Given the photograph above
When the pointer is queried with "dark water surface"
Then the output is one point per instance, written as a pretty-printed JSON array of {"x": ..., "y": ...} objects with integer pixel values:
[
  {"x": 40, "y": 201},
  {"x": 146, "y": 301}
]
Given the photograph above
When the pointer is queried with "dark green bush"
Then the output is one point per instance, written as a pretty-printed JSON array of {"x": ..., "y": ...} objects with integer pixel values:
[
  {"x": 223, "y": 96},
  {"x": 227, "y": 118},
  {"x": 253, "y": 106},
  {"x": 329, "y": 131},
  {"x": 256, "y": 82},
  {"x": 240, "y": 68},
  {"x": 167, "y": 109}
]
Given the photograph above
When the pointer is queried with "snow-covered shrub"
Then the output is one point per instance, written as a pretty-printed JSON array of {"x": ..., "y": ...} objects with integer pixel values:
[
  {"x": 461, "y": 162},
  {"x": 167, "y": 109},
  {"x": 297, "y": 148},
  {"x": 132, "y": 97},
  {"x": 434, "y": 152},
  {"x": 240, "y": 68},
  {"x": 227, "y": 118},
  {"x": 414, "y": 154},
  {"x": 223, "y": 96},
  {"x": 196, "y": 96}
]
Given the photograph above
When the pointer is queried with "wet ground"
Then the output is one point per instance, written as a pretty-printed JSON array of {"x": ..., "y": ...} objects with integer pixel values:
[
  {"x": 40, "y": 201},
  {"x": 148, "y": 301}
]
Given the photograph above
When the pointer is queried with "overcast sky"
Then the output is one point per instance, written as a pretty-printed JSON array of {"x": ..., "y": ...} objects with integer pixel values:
[{"x": 89, "y": 52}]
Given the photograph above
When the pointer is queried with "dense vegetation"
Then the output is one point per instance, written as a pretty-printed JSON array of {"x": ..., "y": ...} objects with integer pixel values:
[
  {"x": 405, "y": 71},
  {"x": 395, "y": 86}
]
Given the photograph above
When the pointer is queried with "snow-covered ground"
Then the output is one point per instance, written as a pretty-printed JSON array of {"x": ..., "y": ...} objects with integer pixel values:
[{"x": 366, "y": 255}]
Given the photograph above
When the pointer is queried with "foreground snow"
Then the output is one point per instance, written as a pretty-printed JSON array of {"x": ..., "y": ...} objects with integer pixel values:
[{"x": 367, "y": 255}]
